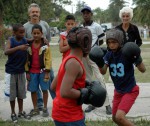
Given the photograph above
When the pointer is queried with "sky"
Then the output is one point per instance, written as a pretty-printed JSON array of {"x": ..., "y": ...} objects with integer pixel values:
[{"x": 103, "y": 4}]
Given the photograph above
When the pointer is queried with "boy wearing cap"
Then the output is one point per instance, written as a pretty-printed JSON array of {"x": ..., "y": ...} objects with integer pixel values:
[{"x": 90, "y": 67}]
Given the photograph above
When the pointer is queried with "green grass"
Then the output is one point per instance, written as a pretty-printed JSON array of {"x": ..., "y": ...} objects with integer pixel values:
[
  {"x": 140, "y": 77},
  {"x": 144, "y": 77},
  {"x": 88, "y": 123},
  {"x": 57, "y": 56}
]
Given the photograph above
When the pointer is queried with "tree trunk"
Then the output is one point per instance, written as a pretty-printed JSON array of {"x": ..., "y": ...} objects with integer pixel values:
[{"x": 1, "y": 18}]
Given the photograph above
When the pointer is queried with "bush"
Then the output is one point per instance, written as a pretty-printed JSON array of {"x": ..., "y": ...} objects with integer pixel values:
[{"x": 5, "y": 33}]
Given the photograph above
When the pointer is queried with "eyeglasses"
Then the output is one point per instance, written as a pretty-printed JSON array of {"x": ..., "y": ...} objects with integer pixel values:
[{"x": 127, "y": 37}]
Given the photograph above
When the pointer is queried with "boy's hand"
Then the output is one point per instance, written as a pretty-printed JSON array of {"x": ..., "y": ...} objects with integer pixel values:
[
  {"x": 23, "y": 47},
  {"x": 46, "y": 77},
  {"x": 29, "y": 40},
  {"x": 84, "y": 96},
  {"x": 28, "y": 76},
  {"x": 46, "y": 41}
]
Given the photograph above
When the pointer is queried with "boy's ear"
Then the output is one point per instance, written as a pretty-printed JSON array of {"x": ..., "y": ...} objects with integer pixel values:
[
  {"x": 76, "y": 23},
  {"x": 65, "y": 24}
]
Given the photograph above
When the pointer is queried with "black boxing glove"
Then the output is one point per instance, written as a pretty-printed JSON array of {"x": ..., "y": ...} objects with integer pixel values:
[
  {"x": 104, "y": 49},
  {"x": 84, "y": 96},
  {"x": 96, "y": 55},
  {"x": 138, "y": 61},
  {"x": 97, "y": 94},
  {"x": 132, "y": 52}
]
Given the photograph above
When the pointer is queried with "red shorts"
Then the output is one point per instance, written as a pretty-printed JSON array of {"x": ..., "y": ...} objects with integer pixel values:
[{"x": 124, "y": 101}]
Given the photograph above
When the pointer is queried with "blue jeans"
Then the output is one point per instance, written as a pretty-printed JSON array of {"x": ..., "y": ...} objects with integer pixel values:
[
  {"x": 76, "y": 123},
  {"x": 39, "y": 93}
]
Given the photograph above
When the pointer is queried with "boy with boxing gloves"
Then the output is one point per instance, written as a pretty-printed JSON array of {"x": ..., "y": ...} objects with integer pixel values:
[
  {"x": 69, "y": 84},
  {"x": 120, "y": 59}
]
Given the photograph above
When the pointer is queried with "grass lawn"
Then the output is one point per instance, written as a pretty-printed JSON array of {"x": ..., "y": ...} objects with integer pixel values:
[
  {"x": 56, "y": 60},
  {"x": 140, "y": 77},
  {"x": 88, "y": 123}
]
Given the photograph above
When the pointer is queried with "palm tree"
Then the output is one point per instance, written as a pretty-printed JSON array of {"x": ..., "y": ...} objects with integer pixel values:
[{"x": 142, "y": 11}]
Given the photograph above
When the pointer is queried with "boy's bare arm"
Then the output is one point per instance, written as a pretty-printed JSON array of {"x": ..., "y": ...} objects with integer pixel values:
[
  {"x": 63, "y": 48},
  {"x": 29, "y": 40},
  {"x": 73, "y": 71},
  {"x": 8, "y": 50},
  {"x": 103, "y": 70},
  {"x": 54, "y": 84},
  {"x": 141, "y": 67}
]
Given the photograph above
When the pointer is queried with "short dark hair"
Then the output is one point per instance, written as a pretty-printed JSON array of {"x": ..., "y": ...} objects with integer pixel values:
[
  {"x": 15, "y": 27},
  {"x": 37, "y": 26},
  {"x": 69, "y": 17}
]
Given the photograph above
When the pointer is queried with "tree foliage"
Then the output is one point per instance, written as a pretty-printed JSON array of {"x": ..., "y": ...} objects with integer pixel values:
[
  {"x": 101, "y": 16},
  {"x": 79, "y": 6},
  {"x": 16, "y": 11},
  {"x": 142, "y": 11},
  {"x": 114, "y": 7}
]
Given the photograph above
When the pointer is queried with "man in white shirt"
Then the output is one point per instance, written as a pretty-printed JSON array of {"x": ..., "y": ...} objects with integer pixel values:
[{"x": 90, "y": 67}]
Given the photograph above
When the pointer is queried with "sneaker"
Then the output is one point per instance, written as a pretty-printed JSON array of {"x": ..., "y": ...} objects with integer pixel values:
[
  {"x": 14, "y": 118},
  {"x": 45, "y": 112},
  {"x": 34, "y": 112},
  {"x": 108, "y": 110},
  {"x": 24, "y": 115},
  {"x": 89, "y": 108}
]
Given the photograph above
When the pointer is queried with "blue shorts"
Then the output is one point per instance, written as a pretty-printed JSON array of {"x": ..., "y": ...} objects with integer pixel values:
[
  {"x": 35, "y": 81},
  {"x": 75, "y": 123}
]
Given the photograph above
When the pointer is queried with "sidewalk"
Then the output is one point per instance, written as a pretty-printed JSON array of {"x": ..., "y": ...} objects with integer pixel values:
[{"x": 140, "y": 110}]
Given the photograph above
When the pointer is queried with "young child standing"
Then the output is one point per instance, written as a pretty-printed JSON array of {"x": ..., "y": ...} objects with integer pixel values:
[
  {"x": 38, "y": 67},
  {"x": 70, "y": 78},
  {"x": 15, "y": 69},
  {"x": 120, "y": 59},
  {"x": 63, "y": 44}
]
